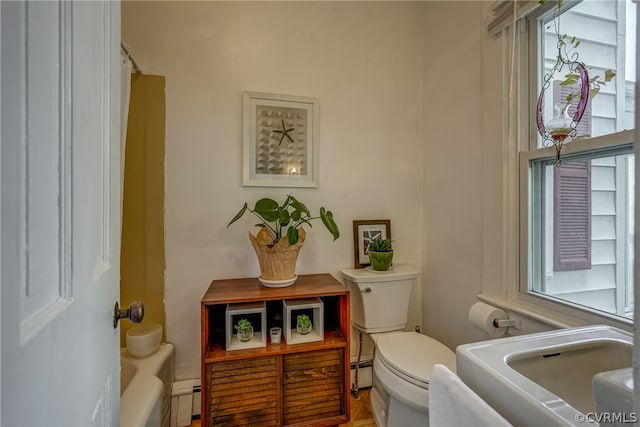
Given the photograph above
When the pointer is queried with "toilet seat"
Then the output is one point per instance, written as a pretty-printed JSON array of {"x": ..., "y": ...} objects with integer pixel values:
[{"x": 411, "y": 356}]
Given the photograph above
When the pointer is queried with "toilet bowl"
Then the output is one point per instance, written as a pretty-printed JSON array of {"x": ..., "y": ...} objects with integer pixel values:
[
  {"x": 402, "y": 361},
  {"x": 402, "y": 366}
]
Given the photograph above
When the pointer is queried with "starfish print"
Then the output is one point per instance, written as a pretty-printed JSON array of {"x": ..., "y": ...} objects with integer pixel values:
[{"x": 284, "y": 132}]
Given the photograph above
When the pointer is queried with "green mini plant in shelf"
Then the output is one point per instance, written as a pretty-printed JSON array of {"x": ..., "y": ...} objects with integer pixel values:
[
  {"x": 243, "y": 325},
  {"x": 245, "y": 330},
  {"x": 303, "y": 324}
]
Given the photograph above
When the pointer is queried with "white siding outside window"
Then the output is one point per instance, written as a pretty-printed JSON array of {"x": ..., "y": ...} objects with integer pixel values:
[{"x": 605, "y": 281}]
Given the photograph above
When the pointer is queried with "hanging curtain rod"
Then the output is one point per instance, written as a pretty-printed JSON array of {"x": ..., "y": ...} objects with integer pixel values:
[{"x": 127, "y": 51}]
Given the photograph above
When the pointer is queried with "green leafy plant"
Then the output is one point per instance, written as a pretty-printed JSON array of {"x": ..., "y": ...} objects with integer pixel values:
[
  {"x": 570, "y": 79},
  {"x": 286, "y": 218},
  {"x": 303, "y": 321},
  {"x": 243, "y": 325},
  {"x": 566, "y": 49},
  {"x": 380, "y": 245}
]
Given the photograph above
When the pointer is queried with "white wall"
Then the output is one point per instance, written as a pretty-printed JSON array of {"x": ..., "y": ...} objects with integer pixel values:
[
  {"x": 364, "y": 60},
  {"x": 412, "y": 129},
  {"x": 453, "y": 191},
  {"x": 469, "y": 170}
]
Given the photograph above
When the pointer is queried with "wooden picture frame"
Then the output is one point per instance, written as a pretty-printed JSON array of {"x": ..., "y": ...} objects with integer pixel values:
[
  {"x": 363, "y": 232},
  {"x": 280, "y": 140}
]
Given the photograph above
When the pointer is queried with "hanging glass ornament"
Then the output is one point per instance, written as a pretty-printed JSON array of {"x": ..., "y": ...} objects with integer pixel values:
[
  {"x": 559, "y": 127},
  {"x": 562, "y": 127}
]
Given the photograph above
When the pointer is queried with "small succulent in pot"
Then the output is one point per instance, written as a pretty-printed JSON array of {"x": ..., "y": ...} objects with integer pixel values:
[
  {"x": 380, "y": 254},
  {"x": 303, "y": 324},
  {"x": 245, "y": 330},
  {"x": 243, "y": 325}
]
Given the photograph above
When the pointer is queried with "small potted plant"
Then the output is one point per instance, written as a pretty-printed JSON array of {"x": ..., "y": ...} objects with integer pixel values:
[
  {"x": 245, "y": 330},
  {"x": 380, "y": 254},
  {"x": 281, "y": 236},
  {"x": 303, "y": 324}
]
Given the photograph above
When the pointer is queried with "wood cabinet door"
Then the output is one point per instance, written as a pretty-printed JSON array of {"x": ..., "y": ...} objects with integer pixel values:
[
  {"x": 243, "y": 392},
  {"x": 313, "y": 385}
]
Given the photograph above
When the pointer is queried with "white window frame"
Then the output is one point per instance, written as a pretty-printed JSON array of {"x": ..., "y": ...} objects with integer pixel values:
[{"x": 546, "y": 308}]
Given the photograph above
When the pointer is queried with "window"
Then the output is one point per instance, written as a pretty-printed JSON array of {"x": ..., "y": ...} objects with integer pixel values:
[{"x": 577, "y": 219}]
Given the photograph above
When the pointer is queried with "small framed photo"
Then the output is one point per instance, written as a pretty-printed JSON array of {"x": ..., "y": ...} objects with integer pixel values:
[
  {"x": 280, "y": 140},
  {"x": 364, "y": 232}
]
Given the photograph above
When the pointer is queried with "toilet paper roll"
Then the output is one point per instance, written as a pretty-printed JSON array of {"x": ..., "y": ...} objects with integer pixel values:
[{"x": 482, "y": 316}]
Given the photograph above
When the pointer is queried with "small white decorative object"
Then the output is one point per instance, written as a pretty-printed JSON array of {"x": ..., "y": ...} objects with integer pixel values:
[
  {"x": 311, "y": 307},
  {"x": 254, "y": 312},
  {"x": 276, "y": 335}
]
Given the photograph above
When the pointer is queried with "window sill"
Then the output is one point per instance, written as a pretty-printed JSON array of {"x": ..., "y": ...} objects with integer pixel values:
[{"x": 554, "y": 314}]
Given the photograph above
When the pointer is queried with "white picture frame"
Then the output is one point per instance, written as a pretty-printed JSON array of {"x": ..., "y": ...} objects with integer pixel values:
[{"x": 280, "y": 140}]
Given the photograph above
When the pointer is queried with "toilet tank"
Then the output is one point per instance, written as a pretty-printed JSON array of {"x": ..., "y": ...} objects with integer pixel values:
[{"x": 380, "y": 299}]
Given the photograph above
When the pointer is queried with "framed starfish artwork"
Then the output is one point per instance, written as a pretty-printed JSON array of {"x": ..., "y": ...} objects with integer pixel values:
[{"x": 280, "y": 140}]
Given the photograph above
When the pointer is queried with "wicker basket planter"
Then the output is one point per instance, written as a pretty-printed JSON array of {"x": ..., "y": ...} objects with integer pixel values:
[
  {"x": 277, "y": 262},
  {"x": 282, "y": 224}
]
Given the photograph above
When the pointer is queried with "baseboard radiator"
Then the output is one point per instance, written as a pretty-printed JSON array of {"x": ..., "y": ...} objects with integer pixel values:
[
  {"x": 365, "y": 373},
  {"x": 185, "y": 402}
]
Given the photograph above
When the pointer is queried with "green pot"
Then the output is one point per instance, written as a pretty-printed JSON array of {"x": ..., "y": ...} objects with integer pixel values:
[{"x": 380, "y": 260}]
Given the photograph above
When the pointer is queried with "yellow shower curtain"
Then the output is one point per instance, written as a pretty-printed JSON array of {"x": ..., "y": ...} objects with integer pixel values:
[{"x": 142, "y": 259}]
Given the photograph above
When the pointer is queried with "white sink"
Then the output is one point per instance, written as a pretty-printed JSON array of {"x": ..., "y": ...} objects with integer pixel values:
[
  {"x": 613, "y": 392},
  {"x": 544, "y": 378}
]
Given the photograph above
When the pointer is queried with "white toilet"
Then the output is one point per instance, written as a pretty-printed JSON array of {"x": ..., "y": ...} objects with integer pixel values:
[{"x": 402, "y": 361}]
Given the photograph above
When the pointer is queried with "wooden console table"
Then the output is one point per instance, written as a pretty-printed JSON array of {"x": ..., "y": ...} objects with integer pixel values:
[{"x": 303, "y": 384}]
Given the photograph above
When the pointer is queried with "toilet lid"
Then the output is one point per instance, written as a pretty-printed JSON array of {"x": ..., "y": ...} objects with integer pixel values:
[{"x": 411, "y": 356}]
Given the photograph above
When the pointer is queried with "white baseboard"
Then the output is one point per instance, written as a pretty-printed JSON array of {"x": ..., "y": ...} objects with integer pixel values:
[{"x": 185, "y": 402}]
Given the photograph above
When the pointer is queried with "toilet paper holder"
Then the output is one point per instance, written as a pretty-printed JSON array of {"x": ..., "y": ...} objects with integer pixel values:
[
  {"x": 492, "y": 320},
  {"x": 506, "y": 323}
]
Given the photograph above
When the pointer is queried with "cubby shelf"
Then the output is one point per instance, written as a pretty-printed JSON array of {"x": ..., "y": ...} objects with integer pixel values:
[{"x": 273, "y": 373}]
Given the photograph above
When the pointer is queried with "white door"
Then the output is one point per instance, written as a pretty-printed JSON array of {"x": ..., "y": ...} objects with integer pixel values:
[{"x": 60, "y": 213}]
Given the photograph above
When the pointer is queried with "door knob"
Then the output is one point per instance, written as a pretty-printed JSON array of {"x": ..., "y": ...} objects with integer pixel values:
[{"x": 134, "y": 313}]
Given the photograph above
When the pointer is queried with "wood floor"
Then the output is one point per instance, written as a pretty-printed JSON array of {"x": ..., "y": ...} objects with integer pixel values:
[
  {"x": 361, "y": 415},
  {"x": 360, "y": 412}
]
